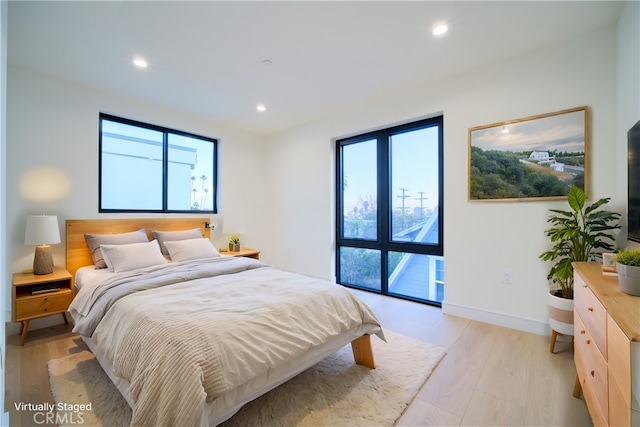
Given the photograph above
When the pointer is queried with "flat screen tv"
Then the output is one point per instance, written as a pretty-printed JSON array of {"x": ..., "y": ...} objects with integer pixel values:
[{"x": 633, "y": 188}]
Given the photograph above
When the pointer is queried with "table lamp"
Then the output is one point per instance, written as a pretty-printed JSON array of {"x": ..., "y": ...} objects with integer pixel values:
[{"x": 42, "y": 231}]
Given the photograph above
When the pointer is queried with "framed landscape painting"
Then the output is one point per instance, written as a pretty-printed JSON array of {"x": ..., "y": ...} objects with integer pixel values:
[{"x": 534, "y": 158}]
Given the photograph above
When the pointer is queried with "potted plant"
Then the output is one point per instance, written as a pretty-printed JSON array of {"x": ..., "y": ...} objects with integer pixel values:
[
  {"x": 577, "y": 235},
  {"x": 628, "y": 267},
  {"x": 234, "y": 243}
]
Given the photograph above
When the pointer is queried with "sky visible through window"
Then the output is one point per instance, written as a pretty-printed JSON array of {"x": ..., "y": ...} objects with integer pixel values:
[
  {"x": 414, "y": 162},
  {"x": 132, "y": 154},
  {"x": 414, "y": 167}
]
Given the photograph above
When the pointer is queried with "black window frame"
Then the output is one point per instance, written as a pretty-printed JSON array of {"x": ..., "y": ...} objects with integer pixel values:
[
  {"x": 165, "y": 149},
  {"x": 384, "y": 242}
]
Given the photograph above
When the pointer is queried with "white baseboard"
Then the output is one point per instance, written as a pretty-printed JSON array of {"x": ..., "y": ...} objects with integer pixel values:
[{"x": 506, "y": 320}]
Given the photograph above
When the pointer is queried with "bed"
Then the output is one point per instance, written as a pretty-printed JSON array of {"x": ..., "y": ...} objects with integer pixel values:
[{"x": 189, "y": 342}]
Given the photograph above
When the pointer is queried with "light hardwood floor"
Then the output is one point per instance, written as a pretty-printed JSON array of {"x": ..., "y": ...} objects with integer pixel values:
[{"x": 490, "y": 375}]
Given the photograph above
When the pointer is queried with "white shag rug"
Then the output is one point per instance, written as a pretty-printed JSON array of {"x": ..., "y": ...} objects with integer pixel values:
[{"x": 335, "y": 392}]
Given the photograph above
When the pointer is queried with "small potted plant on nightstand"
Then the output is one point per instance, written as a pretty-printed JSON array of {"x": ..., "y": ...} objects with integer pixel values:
[
  {"x": 234, "y": 243},
  {"x": 576, "y": 235},
  {"x": 628, "y": 267}
]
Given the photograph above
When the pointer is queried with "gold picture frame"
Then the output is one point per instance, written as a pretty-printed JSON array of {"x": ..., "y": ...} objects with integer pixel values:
[{"x": 533, "y": 158}]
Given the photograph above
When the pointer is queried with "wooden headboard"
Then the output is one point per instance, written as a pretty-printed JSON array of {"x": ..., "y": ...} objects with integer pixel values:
[{"x": 78, "y": 254}]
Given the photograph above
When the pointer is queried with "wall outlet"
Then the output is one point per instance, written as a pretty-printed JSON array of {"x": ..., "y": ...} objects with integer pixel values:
[{"x": 506, "y": 277}]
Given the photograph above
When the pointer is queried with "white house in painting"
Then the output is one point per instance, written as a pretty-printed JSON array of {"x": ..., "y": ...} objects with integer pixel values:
[{"x": 540, "y": 156}]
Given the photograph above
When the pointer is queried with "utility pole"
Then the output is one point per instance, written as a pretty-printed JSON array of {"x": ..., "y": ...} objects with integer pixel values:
[
  {"x": 421, "y": 198},
  {"x": 404, "y": 196}
]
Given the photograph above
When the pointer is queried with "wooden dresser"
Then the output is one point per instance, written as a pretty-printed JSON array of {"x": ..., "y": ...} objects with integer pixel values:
[{"x": 607, "y": 347}]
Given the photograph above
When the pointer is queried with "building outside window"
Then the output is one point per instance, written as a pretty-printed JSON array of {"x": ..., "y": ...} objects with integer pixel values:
[{"x": 148, "y": 168}]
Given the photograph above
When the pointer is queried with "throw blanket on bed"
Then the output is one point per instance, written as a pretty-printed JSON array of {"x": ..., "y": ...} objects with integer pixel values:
[
  {"x": 172, "y": 371},
  {"x": 182, "y": 345}
]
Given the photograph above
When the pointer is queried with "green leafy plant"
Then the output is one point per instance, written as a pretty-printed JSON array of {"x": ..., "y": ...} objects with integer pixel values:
[
  {"x": 629, "y": 257},
  {"x": 234, "y": 239},
  {"x": 577, "y": 235}
]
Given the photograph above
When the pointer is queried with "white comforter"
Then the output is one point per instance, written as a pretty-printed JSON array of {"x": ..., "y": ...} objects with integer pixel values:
[{"x": 184, "y": 334}]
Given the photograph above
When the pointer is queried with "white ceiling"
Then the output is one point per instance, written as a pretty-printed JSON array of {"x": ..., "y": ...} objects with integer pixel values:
[{"x": 206, "y": 57}]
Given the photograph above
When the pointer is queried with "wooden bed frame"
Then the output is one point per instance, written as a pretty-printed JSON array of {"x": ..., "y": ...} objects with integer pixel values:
[{"x": 79, "y": 255}]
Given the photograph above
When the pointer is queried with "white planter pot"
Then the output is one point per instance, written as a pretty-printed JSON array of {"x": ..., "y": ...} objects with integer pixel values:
[
  {"x": 560, "y": 314},
  {"x": 629, "y": 279}
]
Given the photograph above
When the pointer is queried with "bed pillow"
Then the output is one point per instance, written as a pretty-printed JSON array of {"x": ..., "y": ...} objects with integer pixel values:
[
  {"x": 95, "y": 240},
  {"x": 121, "y": 258},
  {"x": 172, "y": 236},
  {"x": 185, "y": 250}
]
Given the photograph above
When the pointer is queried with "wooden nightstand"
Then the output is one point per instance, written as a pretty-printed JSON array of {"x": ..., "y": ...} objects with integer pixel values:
[
  {"x": 245, "y": 252},
  {"x": 27, "y": 306}
]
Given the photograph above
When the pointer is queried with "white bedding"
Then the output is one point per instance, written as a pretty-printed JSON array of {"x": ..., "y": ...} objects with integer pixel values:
[
  {"x": 89, "y": 276},
  {"x": 264, "y": 325}
]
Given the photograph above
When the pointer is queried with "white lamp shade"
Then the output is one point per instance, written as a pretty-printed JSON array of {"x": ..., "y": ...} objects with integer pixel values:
[{"x": 42, "y": 230}]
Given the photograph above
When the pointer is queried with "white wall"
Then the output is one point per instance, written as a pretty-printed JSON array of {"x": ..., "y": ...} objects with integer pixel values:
[
  {"x": 4, "y": 416},
  {"x": 481, "y": 238},
  {"x": 628, "y": 84},
  {"x": 52, "y": 125}
]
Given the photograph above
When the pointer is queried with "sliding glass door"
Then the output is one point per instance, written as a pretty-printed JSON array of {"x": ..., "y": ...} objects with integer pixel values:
[{"x": 389, "y": 211}]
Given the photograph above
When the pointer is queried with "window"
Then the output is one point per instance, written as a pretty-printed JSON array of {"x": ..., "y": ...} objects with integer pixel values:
[
  {"x": 147, "y": 168},
  {"x": 389, "y": 211}
]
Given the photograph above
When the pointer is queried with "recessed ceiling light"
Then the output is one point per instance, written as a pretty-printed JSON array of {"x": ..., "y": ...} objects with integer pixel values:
[
  {"x": 267, "y": 62},
  {"x": 261, "y": 107},
  {"x": 440, "y": 29},
  {"x": 140, "y": 62}
]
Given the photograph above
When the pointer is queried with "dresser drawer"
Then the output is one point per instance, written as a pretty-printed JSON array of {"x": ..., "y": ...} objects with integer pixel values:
[
  {"x": 592, "y": 313},
  {"x": 619, "y": 359},
  {"x": 592, "y": 371},
  {"x": 619, "y": 409},
  {"x": 37, "y": 306}
]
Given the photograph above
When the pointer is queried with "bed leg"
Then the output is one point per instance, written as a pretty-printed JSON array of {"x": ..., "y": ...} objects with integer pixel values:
[{"x": 362, "y": 352}]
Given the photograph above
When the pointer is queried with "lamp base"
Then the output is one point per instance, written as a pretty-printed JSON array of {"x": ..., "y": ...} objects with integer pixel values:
[{"x": 43, "y": 260}]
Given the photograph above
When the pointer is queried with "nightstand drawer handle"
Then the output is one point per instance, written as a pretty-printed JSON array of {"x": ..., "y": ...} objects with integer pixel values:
[
  {"x": 588, "y": 341},
  {"x": 590, "y": 309},
  {"x": 593, "y": 373},
  {"x": 582, "y": 332},
  {"x": 46, "y": 299}
]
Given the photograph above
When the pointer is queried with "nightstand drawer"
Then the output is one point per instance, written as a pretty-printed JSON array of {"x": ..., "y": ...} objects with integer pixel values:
[
  {"x": 40, "y": 305},
  {"x": 592, "y": 313},
  {"x": 591, "y": 368}
]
